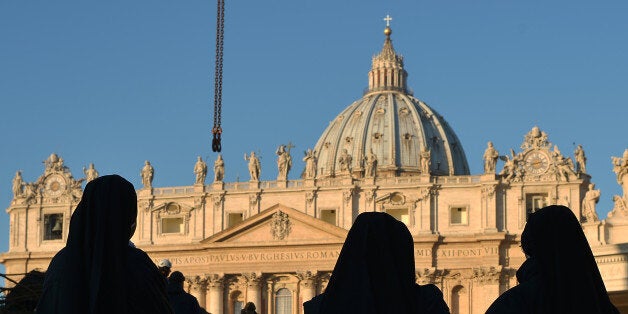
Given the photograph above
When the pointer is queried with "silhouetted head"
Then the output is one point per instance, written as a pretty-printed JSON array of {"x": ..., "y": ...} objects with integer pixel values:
[
  {"x": 249, "y": 306},
  {"x": 375, "y": 269},
  {"x": 107, "y": 212},
  {"x": 164, "y": 267},
  {"x": 98, "y": 243},
  {"x": 176, "y": 277},
  {"x": 554, "y": 239}
]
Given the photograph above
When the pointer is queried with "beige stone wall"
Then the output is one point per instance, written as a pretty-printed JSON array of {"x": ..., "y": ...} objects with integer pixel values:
[{"x": 472, "y": 263}]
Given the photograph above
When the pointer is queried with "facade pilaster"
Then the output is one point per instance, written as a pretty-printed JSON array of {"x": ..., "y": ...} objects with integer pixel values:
[
  {"x": 254, "y": 288},
  {"x": 198, "y": 287},
  {"x": 215, "y": 282},
  {"x": 307, "y": 286}
]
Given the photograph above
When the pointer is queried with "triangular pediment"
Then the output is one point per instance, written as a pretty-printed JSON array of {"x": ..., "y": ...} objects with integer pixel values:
[{"x": 280, "y": 224}]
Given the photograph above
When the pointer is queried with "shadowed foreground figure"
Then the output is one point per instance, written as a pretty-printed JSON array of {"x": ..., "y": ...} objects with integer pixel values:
[
  {"x": 181, "y": 301},
  {"x": 24, "y": 296},
  {"x": 249, "y": 308},
  {"x": 560, "y": 274},
  {"x": 98, "y": 271},
  {"x": 375, "y": 273}
]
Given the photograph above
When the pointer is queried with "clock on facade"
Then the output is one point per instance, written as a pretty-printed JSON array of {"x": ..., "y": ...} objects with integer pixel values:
[
  {"x": 55, "y": 185},
  {"x": 537, "y": 162}
]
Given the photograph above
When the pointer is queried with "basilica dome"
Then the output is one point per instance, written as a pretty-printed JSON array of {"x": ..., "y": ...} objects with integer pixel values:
[{"x": 392, "y": 124}]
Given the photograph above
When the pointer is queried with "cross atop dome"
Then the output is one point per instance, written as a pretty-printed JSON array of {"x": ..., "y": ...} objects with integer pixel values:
[{"x": 388, "y": 19}]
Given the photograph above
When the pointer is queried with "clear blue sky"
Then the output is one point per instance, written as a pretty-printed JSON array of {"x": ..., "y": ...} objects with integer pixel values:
[{"x": 119, "y": 82}]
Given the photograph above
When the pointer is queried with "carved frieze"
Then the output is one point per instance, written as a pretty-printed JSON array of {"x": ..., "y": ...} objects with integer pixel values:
[
  {"x": 217, "y": 200},
  {"x": 146, "y": 204},
  {"x": 310, "y": 196},
  {"x": 254, "y": 199},
  {"x": 488, "y": 191},
  {"x": 428, "y": 275},
  {"x": 252, "y": 279},
  {"x": 307, "y": 279},
  {"x": 197, "y": 283},
  {"x": 215, "y": 280},
  {"x": 487, "y": 275}
]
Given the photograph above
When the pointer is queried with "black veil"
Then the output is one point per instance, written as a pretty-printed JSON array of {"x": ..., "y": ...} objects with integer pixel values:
[
  {"x": 375, "y": 270},
  {"x": 568, "y": 274},
  {"x": 98, "y": 271}
]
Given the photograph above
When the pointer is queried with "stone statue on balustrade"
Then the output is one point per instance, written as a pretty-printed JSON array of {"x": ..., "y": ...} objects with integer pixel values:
[
  {"x": 564, "y": 166},
  {"x": 581, "y": 159},
  {"x": 90, "y": 173},
  {"x": 147, "y": 174},
  {"x": 310, "y": 164},
  {"x": 589, "y": 202},
  {"x": 490, "y": 158},
  {"x": 200, "y": 171},
  {"x": 511, "y": 166},
  {"x": 370, "y": 161},
  {"x": 345, "y": 161},
  {"x": 254, "y": 166},
  {"x": 18, "y": 185},
  {"x": 425, "y": 159},
  {"x": 620, "y": 168},
  {"x": 620, "y": 210},
  {"x": 284, "y": 162},
  {"x": 219, "y": 169},
  {"x": 54, "y": 163}
]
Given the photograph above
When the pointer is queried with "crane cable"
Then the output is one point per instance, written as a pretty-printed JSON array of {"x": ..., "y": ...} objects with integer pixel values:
[{"x": 220, "y": 32}]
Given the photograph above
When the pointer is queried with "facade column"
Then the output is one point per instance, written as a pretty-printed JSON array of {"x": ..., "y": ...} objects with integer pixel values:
[
  {"x": 198, "y": 286},
  {"x": 307, "y": 286},
  {"x": 216, "y": 284},
  {"x": 254, "y": 289}
]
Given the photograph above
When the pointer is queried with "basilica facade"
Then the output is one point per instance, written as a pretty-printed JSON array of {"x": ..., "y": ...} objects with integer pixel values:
[{"x": 275, "y": 243}]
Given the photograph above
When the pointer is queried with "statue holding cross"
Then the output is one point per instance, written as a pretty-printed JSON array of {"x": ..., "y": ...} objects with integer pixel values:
[{"x": 284, "y": 161}]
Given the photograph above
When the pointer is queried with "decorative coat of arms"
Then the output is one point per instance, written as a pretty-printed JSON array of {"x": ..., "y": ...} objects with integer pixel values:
[{"x": 280, "y": 226}]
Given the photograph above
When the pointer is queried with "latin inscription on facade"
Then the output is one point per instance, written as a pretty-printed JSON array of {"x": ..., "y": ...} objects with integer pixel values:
[
  {"x": 455, "y": 252},
  {"x": 254, "y": 257}
]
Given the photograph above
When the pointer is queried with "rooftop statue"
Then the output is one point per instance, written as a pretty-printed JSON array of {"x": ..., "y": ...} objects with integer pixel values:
[
  {"x": 18, "y": 185},
  {"x": 371, "y": 164},
  {"x": 147, "y": 175},
  {"x": 589, "y": 202},
  {"x": 200, "y": 171},
  {"x": 219, "y": 169},
  {"x": 254, "y": 166},
  {"x": 310, "y": 164},
  {"x": 581, "y": 160},
  {"x": 284, "y": 162},
  {"x": 90, "y": 173},
  {"x": 490, "y": 158}
]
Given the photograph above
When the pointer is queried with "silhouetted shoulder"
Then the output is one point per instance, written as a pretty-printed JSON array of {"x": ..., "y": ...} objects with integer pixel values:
[
  {"x": 431, "y": 299},
  {"x": 313, "y": 306},
  {"x": 523, "y": 298},
  {"x": 149, "y": 289}
]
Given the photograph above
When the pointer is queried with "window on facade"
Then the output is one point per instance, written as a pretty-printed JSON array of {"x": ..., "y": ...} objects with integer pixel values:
[
  {"x": 53, "y": 227},
  {"x": 234, "y": 219},
  {"x": 283, "y": 301},
  {"x": 237, "y": 302},
  {"x": 329, "y": 216},
  {"x": 459, "y": 215},
  {"x": 172, "y": 225},
  {"x": 400, "y": 214},
  {"x": 535, "y": 202}
]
